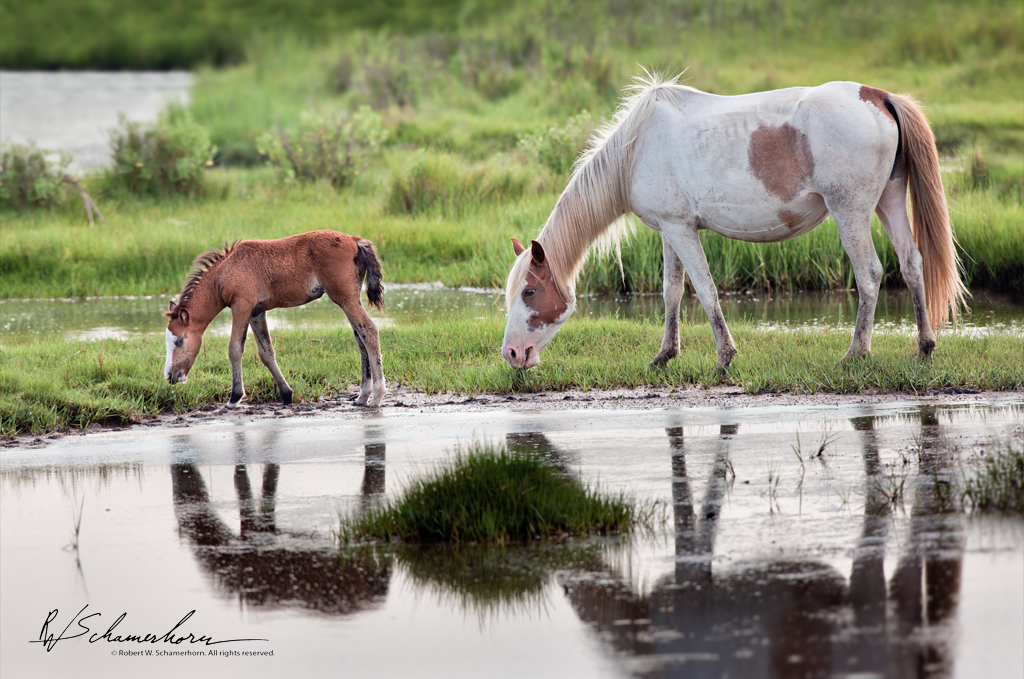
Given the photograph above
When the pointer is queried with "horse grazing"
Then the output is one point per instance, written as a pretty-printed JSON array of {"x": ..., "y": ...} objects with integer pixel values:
[
  {"x": 762, "y": 167},
  {"x": 254, "y": 276}
]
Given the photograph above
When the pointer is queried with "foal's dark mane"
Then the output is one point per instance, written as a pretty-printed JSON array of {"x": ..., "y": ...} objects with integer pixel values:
[{"x": 202, "y": 264}]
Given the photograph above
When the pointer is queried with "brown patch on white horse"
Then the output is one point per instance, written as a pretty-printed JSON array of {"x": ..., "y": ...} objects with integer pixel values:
[
  {"x": 253, "y": 277},
  {"x": 876, "y": 98},
  {"x": 543, "y": 307},
  {"x": 780, "y": 157}
]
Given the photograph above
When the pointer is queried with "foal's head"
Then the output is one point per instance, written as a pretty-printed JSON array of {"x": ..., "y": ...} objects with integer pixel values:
[
  {"x": 182, "y": 345},
  {"x": 536, "y": 307}
]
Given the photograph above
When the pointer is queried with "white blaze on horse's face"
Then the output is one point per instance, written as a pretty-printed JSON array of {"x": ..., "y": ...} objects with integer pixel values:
[
  {"x": 181, "y": 349},
  {"x": 535, "y": 312}
]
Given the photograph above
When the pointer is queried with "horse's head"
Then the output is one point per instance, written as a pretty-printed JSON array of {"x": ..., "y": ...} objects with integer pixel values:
[
  {"x": 536, "y": 308},
  {"x": 182, "y": 345}
]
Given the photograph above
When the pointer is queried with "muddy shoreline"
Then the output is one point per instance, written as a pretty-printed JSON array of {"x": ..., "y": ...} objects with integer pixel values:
[{"x": 642, "y": 398}]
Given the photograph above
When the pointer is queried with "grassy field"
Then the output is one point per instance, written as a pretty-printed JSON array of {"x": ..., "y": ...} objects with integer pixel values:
[
  {"x": 59, "y": 384},
  {"x": 459, "y": 96}
]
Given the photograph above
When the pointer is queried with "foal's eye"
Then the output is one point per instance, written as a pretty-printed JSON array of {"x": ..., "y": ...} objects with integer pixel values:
[
  {"x": 528, "y": 292},
  {"x": 178, "y": 341}
]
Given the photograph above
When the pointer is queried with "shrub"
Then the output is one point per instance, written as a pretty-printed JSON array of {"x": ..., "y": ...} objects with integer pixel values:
[
  {"x": 334, "y": 146},
  {"x": 168, "y": 158},
  {"x": 560, "y": 145},
  {"x": 442, "y": 182},
  {"x": 28, "y": 178}
]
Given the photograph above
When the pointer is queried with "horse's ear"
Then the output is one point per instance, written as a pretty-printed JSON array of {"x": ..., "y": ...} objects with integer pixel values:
[
  {"x": 184, "y": 316},
  {"x": 170, "y": 309},
  {"x": 537, "y": 250},
  {"x": 517, "y": 247}
]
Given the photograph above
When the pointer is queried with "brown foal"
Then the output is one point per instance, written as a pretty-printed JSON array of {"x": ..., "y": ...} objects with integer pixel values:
[{"x": 254, "y": 276}]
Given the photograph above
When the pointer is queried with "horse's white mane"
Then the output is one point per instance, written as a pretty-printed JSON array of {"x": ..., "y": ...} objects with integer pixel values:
[{"x": 593, "y": 208}]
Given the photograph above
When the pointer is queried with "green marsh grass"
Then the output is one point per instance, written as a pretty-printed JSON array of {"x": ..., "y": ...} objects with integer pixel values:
[
  {"x": 60, "y": 384},
  {"x": 998, "y": 485},
  {"x": 486, "y": 494}
]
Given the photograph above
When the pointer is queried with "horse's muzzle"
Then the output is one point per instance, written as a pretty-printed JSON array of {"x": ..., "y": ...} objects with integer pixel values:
[{"x": 522, "y": 356}]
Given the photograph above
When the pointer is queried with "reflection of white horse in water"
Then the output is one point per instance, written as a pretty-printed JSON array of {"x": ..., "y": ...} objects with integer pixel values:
[{"x": 762, "y": 167}]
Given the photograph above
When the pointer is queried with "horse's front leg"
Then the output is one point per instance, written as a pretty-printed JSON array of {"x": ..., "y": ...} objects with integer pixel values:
[
  {"x": 236, "y": 350},
  {"x": 265, "y": 348},
  {"x": 686, "y": 243},
  {"x": 674, "y": 280}
]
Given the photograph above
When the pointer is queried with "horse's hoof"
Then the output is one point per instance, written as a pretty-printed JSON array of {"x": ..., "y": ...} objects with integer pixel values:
[
  {"x": 286, "y": 398},
  {"x": 662, "y": 358},
  {"x": 925, "y": 349}
]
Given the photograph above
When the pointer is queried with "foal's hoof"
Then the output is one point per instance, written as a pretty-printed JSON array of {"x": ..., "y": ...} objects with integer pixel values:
[
  {"x": 286, "y": 398},
  {"x": 234, "y": 400}
]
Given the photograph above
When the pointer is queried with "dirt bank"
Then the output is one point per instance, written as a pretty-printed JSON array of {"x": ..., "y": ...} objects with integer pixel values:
[{"x": 644, "y": 398}]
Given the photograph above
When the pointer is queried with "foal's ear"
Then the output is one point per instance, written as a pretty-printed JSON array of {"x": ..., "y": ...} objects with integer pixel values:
[
  {"x": 183, "y": 315},
  {"x": 170, "y": 309},
  {"x": 517, "y": 247},
  {"x": 537, "y": 250}
]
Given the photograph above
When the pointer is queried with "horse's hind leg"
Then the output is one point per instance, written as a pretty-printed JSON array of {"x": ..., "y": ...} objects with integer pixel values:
[
  {"x": 366, "y": 379},
  {"x": 265, "y": 348},
  {"x": 686, "y": 243},
  {"x": 368, "y": 340},
  {"x": 674, "y": 281},
  {"x": 854, "y": 224},
  {"x": 892, "y": 211}
]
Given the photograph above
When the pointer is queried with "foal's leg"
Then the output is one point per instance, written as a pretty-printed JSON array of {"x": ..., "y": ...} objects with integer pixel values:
[
  {"x": 854, "y": 225},
  {"x": 366, "y": 383},
  {"x": 674, "y": 280},
  {"x": 368, "y": 338},
  {"x": 685, "y": 242},
  {"x": 892, "y": 211},
  {"x": 265, "y": 348},
  {"x": 236, "y": 350}
]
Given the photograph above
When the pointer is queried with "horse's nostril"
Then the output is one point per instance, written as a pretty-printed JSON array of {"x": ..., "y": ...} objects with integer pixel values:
[
  {"x": 528, "y": 353},
  {"x": 512, "y": 353}
]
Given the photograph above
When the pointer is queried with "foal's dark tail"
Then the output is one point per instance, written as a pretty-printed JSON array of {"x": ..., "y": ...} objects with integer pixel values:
[{"x": 369, "y": 267}]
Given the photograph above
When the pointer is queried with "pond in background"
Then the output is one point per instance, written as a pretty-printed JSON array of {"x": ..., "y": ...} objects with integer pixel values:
[
  {"x": 770, "y": 561},
  {"x": 24, "y": 321},
  {"x": 74, "y": 111}
]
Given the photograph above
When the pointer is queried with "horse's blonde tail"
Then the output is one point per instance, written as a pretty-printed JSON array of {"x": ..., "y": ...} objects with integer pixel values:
[
  {"x": 944, "y": 291},
  {"x": 370, "y": 268}
]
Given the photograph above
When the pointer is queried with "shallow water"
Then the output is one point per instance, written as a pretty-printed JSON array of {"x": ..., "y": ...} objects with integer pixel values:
[
  {"x": 25, "y": 321},
  {"x": 770, "y": 561},
  {"x": 74, "y": 111}
]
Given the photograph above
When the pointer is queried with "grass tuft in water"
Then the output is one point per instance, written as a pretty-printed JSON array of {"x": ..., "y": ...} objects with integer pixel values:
[
  {"x": 488, "y": 494},
  {"x": 999, "y": 485}
]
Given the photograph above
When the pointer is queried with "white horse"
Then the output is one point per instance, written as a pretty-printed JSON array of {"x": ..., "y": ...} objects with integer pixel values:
[{"x": 762, "y": 167}]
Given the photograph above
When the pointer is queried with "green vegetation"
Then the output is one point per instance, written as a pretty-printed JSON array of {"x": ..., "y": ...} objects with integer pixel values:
[
  {"x": 999, "y": 485},
  {"x": 488, "y": 494},
  {"x": 28, "y": 178},
  {"x": 485, "y": 109},
  {"x": 333, "y": 146},
  {"x": 59, "y": 384},
  {"x": 168, "y": 158}
]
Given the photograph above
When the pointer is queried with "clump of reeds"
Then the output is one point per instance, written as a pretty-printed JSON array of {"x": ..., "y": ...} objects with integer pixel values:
[
  {"x": 488, "y": 494},
  {"x": 999, "y": 485}
]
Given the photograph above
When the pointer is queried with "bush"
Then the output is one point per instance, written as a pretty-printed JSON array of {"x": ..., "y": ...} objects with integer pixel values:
[
  {"x": 169, "y": 158},
  {"x": 334, "y": 146},
  {"x": 28, "y": 178},
  {"x": 559, "y": 146},
  {"x": 442, "y": 182}
]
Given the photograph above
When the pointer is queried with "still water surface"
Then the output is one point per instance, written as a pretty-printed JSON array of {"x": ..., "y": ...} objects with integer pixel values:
[
  {"x": 770, "y": 561},
  {"x": 23, "y": 321}
]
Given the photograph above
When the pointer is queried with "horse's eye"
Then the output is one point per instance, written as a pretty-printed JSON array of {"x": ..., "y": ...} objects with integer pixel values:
[
  {"x": 178, "y": 341},
  {"x": 528, "y": 292}
]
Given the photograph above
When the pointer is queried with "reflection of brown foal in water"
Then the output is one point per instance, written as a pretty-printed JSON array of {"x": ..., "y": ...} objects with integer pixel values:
[{"x": 255, "y": 276}]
